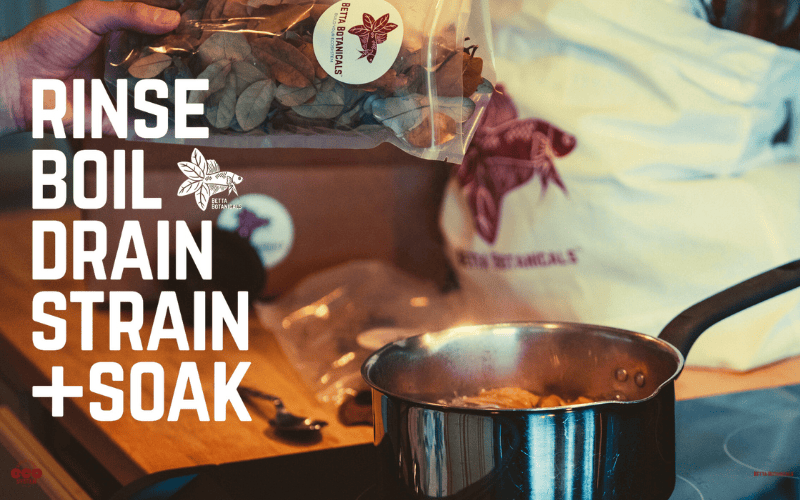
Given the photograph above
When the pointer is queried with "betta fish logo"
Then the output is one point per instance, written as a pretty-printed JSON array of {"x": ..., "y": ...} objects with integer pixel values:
[
  {"x": 506, "y": 153},
  {"x": 371, "y": 34},
  {"x": 205, "y": 179},
  {"x": 249, "y": 222}
]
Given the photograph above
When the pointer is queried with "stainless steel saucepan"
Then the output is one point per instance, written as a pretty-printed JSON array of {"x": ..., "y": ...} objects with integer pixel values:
[{"x": 622, "y": 447}]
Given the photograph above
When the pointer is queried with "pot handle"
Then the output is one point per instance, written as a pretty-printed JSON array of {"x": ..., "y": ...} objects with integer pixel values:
[{"x": 684, "y": 330}]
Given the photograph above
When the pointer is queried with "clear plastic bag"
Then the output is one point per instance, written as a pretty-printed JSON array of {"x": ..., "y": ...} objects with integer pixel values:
[
  {"x": 415, "y": 74},
  {"x": 332, "y": 321}
]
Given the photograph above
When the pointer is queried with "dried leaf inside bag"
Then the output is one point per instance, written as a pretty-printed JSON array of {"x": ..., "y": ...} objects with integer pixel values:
[
  {"x": 234, "y": 9},
  {"x": 317, "y": 10},
  {"x": 254, "y": 4},
  {"x": 308, "y": 50},
  {"x": 416, "y": 53},
  {"x": 402, "y": 114},
  {"x": 287, "y": 64},
  {"x": 292, "y": 122},
  {"x": 217, "y": 76},
  {"x": 449, "y": 76},
  {"x": 459, "y": 75},
  {"x": 178, "y": 71},
  {"x": 459, "y": 109},
  {"x": 424, "y": 135},
  {"x": 327, "y": 85},
  {"x": 417, "y": 80},
  {"x": 325, "y": 105},
  {"x": 389, "y": 83},
  {"x": 150, "y": 66},
  {"x": 277, "y": 20},
  {"x": 224, "y": 46},
  {"x": 187, "y": 5},
  {"x": 349, "y": 119},
  {"x": 295, "y": 96},
  {"x": 214, "y": 9},
  {"x": 247, "y": 73},
  {"x": 220, "y": 107},
  {"x": 263, "y": 72},
  {"x": 473, "y": 71},
  {"x": 253, "y": 104}
]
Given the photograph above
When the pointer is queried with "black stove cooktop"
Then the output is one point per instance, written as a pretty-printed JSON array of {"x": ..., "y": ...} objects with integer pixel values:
[
  {"x": 729, "y": 447},
  {"x": 739, "y": 446}
]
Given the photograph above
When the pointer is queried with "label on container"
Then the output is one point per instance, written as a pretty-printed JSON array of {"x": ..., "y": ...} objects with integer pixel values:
[{"x": 356, "y": 42}]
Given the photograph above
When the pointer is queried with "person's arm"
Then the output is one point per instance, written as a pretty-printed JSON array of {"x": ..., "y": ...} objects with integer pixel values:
[
  {"x": 9, "y": 88},
  {"x": 64, "y": 46}
]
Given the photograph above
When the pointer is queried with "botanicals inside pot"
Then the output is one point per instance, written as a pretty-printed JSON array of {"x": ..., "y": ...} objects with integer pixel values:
[{"x": 513, "y": 397}]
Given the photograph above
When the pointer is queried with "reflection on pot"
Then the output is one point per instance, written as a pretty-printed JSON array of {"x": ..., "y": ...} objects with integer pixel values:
[{"x": 579, "y": 453}]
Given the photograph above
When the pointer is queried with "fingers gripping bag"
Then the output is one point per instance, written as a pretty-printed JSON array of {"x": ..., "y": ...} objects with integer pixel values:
[
  {"x": 633, "y": 160},
  {"x": 319, "y": 74}
]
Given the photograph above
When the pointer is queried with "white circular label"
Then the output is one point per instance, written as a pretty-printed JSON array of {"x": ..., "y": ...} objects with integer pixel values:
[
  {"x": 264, "y": 222},
  {"x": 357, "y": 42}
]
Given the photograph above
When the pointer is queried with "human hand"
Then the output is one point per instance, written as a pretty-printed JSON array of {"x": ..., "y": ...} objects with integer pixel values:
[{"x": 65, "y": 45}]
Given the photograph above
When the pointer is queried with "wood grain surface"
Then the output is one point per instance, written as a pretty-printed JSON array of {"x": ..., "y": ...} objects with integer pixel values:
[{"x": 128, "y": 448}]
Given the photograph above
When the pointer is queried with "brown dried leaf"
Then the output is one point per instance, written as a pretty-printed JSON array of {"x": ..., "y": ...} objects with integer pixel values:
[
  {"x": 287, "y": 64},
  {"x": 254, "y": 4},
  {"x": 415, "y": 80},
  {"x": 214, "y": 9},
  {"x": 473, "y": 68},
  {"x": 318, "y": 9},
  {"x": 277, "y": 20},
  {"x": 308, "y": 50},
  {"x": 188, "y": 5},
  {"x": 423, "y": 136},
  {"x": 448, "y": 76},
  {"x": 295, "y": 39},
  {"x": 234, "y": 9},
  {"x": 459, "y": 75},
  {"x": 418, "y": 55},
  {"x": 250, "y": 32},
  {"x": 389, "y": 83},
  {"x": 150, "y": 66}
]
